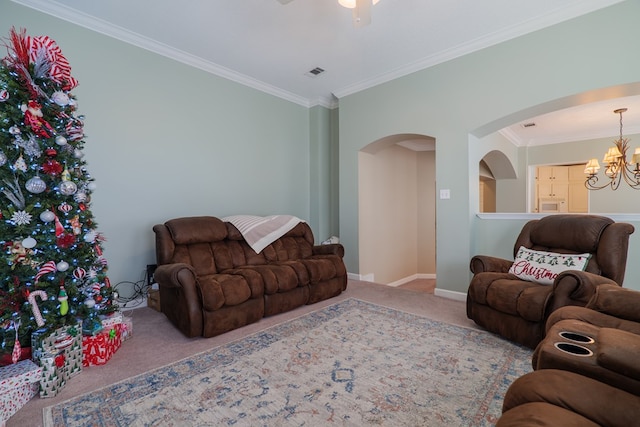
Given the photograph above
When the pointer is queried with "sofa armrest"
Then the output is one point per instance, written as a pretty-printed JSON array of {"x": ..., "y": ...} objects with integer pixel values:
[
  {"x": 331, "y": 249},
  {"x": 618, "y": 351},
  {"x": 575, "y": 287},
  {"x": 486, "y": 263},
  {"x": 616, "y": 301},
  {"x": 180, "y": 298}
]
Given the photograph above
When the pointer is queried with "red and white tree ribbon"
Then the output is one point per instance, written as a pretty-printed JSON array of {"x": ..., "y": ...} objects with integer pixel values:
[{"x": 60, "y": 70}]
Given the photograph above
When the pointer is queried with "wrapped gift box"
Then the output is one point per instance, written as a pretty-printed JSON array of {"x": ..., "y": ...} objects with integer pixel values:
[
  {"x": 127, "y": 328},
  {"x": 98, "y": 349},
  {"x": 59, "y": 353},
  {"x": 109, "y": 321},
  {"x": 18, "y": 384}
]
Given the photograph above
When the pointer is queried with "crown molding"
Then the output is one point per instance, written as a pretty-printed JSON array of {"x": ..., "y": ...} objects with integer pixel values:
[
  {"x": 517, "y": 30},
  {"x": 103, "y": 27},
  {"x": 50, "y": 7}
]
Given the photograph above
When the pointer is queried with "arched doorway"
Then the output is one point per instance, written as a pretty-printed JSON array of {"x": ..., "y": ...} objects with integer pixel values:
[{"x": 396, "y": 197}]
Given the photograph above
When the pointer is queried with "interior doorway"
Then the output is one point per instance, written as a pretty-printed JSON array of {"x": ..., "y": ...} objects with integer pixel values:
[{"x": 397, "y": 215}]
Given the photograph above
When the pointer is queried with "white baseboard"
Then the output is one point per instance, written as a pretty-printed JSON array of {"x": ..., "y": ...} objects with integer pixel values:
[
  {"x": 454, "y": 295},
  {"x": 412, "y": 278},
  {"x": 361, "y": 277}
]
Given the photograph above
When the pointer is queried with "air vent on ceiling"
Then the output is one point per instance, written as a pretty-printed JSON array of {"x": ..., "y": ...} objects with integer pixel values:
[
  {"x": 315, "y": 72},
  {"x": 528, "y": 125}
]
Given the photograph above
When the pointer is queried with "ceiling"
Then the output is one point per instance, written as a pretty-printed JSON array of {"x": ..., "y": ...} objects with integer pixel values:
[{"x": 273, "y": 46}]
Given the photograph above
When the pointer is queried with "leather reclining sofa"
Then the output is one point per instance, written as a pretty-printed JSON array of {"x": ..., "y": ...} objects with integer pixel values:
[{"x": 211, "y": 281}]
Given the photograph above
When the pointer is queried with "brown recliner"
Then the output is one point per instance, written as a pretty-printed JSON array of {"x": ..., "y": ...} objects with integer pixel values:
[
  {"x": 518, "y": 309},
  {"x": 600, "y": 341},
  {"x": 556, "y": 398}
]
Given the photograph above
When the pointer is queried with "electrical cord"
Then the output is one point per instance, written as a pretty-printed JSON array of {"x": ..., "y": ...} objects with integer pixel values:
[{"x": 140, "y": 292}]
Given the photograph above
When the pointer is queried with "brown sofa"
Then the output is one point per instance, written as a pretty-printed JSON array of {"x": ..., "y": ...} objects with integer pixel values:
[
  {"x": 211, "y": 281},
  {"x": 604, "y": 339},
  {"x": 556, "y": 398},
  {"x": 518, "y": 309},
  {"x": 599, "y": 386}
]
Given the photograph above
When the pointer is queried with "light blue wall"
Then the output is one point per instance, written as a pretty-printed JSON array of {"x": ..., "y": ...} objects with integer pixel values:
[
  {"x": 456, "y": 100},
  {"x": 166, "y": 140}
]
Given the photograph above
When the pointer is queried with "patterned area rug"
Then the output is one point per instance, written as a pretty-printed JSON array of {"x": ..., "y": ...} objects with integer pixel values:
[{"x": 350, "y": 364}]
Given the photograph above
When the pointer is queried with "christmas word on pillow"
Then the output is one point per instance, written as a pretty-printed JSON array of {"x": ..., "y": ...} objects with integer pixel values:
[{"x": 543, "y": 267}]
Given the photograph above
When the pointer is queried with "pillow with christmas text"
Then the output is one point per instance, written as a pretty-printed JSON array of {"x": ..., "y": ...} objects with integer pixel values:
[{"x": 543, "y": 267}]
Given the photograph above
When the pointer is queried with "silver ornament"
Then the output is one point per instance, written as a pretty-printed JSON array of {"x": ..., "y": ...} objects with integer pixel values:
[
  {"x": 68, "y": 188},
  {"x": 3, "y": 158},
  {"x": 36, "y": 185},
  {"x": 47, "y": 216},
  {"x": 61, "y": 140},
  {"x": 80, "y": 197},
  {"x": 29, "y": 243}
]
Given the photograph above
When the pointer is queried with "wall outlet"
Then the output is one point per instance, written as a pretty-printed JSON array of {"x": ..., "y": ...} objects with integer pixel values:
[{"x": 151, "y": 268}]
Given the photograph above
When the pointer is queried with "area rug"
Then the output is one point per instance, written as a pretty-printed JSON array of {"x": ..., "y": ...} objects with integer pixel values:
[{"x": 353, "y": 363}]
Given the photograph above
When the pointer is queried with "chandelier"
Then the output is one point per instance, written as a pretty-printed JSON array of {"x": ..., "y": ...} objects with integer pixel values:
[{"x": 617, "y": 168}]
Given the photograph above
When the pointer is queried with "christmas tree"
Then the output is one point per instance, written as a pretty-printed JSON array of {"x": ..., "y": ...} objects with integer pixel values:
[{"x": 52, "y": 271}]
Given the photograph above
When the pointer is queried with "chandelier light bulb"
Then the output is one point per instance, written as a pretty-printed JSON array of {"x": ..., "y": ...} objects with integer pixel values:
[{"x": 351, "y": 4}]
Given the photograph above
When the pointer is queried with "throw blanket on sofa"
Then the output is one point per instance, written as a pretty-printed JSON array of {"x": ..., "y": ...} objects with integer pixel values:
[{"x": 261, "y": 231}]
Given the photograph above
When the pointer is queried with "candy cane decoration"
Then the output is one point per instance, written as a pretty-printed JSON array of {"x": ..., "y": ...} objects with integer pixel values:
[
  {"x": 34, "y": 306},
  {"x": 47, "y": 267},
  {"x": 17, "y": 349}
]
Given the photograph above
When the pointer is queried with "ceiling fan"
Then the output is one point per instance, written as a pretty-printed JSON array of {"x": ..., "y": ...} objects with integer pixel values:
[{"x": 361, "y": 10}]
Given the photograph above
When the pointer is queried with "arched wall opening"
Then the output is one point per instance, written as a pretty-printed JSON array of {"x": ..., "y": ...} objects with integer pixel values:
[
  {"x": 517, "y": 194},
  {"x": 397, "y": 215},
  {"x": 494, "y": 167}
]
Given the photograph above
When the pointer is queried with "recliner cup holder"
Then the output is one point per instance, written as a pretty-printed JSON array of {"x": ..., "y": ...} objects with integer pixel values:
[
  {"x": 576, "y": 337},
  {"x": 575, "y": 349}
]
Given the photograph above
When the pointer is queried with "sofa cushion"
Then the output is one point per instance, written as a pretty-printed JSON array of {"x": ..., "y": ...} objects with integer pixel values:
[
  {"x": 220, "y": 290},
  {"x": 186, "y": 231},
  {"x": 276, "y": 278},
  {"x": 517, "y": 297},
  {"x": 543, "y": 267}
]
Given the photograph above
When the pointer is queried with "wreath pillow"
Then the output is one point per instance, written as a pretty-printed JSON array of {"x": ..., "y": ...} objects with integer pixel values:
[{"x": 543, "y": 267}]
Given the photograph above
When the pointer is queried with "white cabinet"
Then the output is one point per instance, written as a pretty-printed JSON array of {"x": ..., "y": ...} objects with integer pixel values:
[{"x": 564, "y": 185}]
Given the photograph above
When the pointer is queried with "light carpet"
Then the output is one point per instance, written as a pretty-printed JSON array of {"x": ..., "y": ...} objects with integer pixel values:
[{"x": 352, "y": 363}]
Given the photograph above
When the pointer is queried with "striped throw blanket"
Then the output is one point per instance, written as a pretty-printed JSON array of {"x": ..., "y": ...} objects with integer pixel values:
[{"x": 260, "y": 231}]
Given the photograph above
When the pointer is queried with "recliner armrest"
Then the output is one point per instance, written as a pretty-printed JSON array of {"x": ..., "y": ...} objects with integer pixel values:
[
  {"x": 172, "y": 275},
  {"x": 575, "y": 287},
  {"x": 331, "y": 249},
  {"x": 616, "y": 301},
  {"x": 618, "y": 351},
  {"x": 487, "y": 263}
]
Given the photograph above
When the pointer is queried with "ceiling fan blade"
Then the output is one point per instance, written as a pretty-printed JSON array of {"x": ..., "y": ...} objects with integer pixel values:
[
  {"x": 285, "y": 1},
  {"x": 362, "y": 13}
]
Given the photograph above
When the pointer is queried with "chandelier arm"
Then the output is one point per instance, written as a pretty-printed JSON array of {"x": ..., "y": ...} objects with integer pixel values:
[{"x": 631, "y": 177}]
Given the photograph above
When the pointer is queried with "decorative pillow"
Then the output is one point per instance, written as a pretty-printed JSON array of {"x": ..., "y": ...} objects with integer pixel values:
[{"x": 543, "y": 267}]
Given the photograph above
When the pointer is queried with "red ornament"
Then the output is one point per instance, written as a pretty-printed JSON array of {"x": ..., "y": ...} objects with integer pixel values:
[
  {"x": 66, "y": 240},
  {"x": 82, "y": 207},
  {"x": 52, "y": 167},
  {"x": 51, "y": 152}
]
